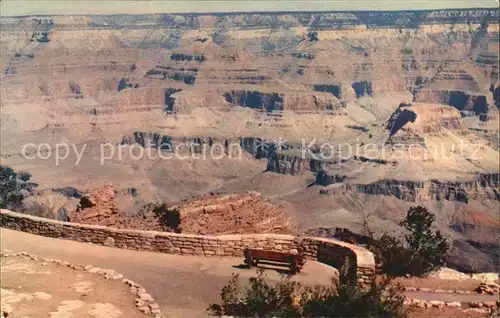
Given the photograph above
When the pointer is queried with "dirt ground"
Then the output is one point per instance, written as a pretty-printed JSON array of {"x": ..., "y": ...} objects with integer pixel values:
[
  {"x": 39, "y": 289},
  {"x": 436, "y": 283},
  {"x": 443, "y": 312}
]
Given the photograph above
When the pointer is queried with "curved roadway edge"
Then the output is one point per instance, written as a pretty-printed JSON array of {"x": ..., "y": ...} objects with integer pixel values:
[{"x": 329, "y": 251}]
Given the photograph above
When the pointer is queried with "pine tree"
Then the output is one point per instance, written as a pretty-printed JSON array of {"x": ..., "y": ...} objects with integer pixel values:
[{"x": 427, "y": 246}]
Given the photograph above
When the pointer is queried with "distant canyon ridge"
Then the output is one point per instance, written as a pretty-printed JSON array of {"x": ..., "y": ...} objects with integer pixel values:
[{"x": 394, "y": 84}]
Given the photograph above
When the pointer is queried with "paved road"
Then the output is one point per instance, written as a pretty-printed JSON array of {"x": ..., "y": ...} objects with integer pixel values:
[{"x": 184, "y": 286}]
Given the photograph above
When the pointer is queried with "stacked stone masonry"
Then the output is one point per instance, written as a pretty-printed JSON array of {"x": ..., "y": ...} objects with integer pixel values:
[{"x": 361, "y": 262}]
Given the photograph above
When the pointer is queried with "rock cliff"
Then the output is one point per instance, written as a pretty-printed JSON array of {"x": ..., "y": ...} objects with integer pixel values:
[
  {"x": 445, "y": 56},
  {"x": 385, "y": 107},
  {"x": 481, "y": 187}
]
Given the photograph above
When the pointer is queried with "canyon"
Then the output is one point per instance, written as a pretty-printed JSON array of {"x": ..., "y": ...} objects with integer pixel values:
[{"x": 333, "y": 117}]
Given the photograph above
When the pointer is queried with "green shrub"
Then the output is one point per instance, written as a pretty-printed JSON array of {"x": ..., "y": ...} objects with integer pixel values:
[
  {"x": 346, "y": 300},
  {"x": 258, "y": 299},
  {"x": 286, "y": 298},
  {"x": 12, "y": 185},
  {"x": 423, "y": 252},
  {"x": 427, "y": 247},
  {"x": 170, "y": 218},
  {"x": 407, "y": 51},
  {"x": 392, "y": 255}
]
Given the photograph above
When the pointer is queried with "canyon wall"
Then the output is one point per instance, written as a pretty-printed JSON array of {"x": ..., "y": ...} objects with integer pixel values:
[
  {"x": 242, "y": 79},
  {"x": 480, "y": 186},
  {"x": 267, "y": 61},
  {"x": 328, "y": 251},
  {"x": 484, "y": 186}
]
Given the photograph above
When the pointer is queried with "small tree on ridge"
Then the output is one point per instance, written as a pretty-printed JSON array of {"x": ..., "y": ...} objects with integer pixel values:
[{"x": 427, "y": 246}]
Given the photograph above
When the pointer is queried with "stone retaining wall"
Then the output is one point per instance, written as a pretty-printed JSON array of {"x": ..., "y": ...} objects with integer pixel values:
[{"x": 329, "y": 251}]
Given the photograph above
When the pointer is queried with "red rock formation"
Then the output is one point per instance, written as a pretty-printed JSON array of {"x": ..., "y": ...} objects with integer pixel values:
[
  {"x": 98, "y": 206},
  {"x": 225, "y": 214},
  {"x": 233, "y": 214}
]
